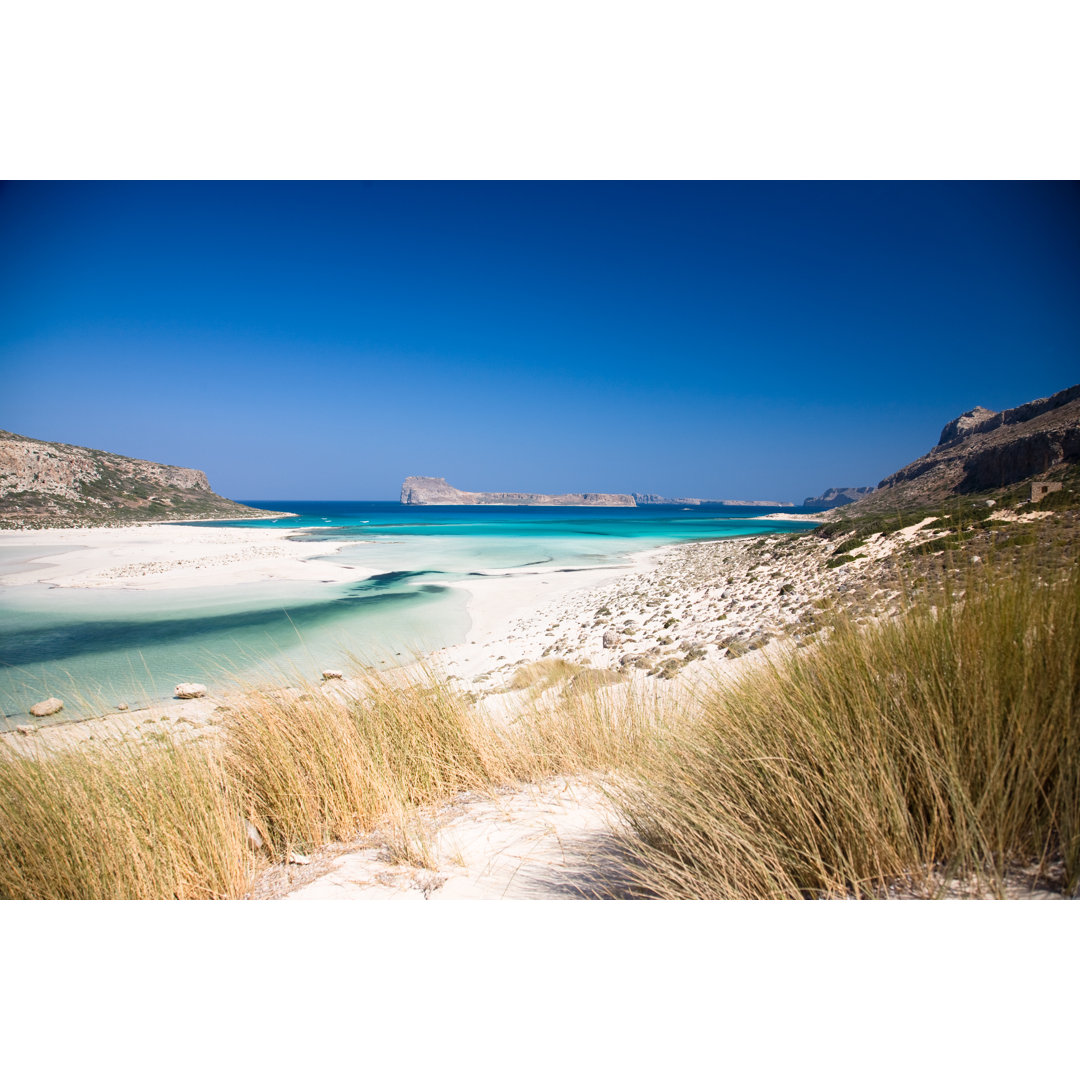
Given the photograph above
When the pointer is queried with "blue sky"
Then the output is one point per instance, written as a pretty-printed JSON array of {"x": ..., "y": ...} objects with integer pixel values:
[{"x": 734, "y": 340}]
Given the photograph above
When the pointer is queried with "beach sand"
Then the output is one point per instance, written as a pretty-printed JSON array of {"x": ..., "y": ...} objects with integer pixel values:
[{"x": 166, "y": 557}]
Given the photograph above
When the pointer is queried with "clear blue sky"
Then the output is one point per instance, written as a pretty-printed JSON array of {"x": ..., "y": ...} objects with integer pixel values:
[{"x": 734, "y": 340}]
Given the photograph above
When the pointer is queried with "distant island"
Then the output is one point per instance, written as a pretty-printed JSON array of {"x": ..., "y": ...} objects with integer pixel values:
[{"x": 435, "y": 491}]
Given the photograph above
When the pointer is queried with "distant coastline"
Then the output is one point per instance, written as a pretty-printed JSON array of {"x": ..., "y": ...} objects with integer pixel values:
[{"x": 435, "y": 491}]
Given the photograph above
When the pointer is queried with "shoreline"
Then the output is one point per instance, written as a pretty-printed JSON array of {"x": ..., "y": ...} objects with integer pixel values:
[
  {"x": 165, "y": 555},
  {"x": 38, "y": 529},
  {"x": 515, "y": 619}
]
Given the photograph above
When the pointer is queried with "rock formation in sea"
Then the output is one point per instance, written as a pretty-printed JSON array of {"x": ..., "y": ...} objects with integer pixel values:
[
  {"x": 48, "y": 484},
  {"x": 985, "y": 451},
  {"x": 432, "y": 491}
]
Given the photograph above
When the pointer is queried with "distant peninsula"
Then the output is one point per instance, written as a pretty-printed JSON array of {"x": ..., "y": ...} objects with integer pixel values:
[
  {"x": 645, "y": 499},
  {"x": 435, "y": 491}
]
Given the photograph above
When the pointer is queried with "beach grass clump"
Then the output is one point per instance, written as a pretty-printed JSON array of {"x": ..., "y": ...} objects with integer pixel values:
[
  {"x": 313, "y": 769},
  {"x": 944, "y": 745},
  {"x": 596, "y": 727},
  {"x": 542, "y": 674},
  {"x": 121, "y": 822},
  {"x": 286, "y": 772}
]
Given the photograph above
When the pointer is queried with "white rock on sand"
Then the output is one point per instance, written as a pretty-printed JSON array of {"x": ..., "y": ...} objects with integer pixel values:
[{"x": 46, "y": 707}]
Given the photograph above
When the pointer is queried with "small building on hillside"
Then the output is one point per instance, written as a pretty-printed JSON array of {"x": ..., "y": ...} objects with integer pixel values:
[{"x": 1043, "y": 488}]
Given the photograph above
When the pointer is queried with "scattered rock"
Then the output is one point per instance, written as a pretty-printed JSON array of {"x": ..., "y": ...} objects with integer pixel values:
[
  {"x": 46, "y": 707},
  {"x": 299, "y": 860},
  {"x": 611, "y": 639},
  {"x": 122, "y": 707},
  {"x": 331, "y": 673},
  {"x": 190, "y": 690},
  {"x": 25, "y": 729}
]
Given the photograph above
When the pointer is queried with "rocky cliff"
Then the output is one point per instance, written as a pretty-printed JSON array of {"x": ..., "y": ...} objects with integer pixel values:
[
  {"x": 435, "y": 491},
  {"x": 837, "y": 497},
  {"x": 45, "y": 483},
  {"x": 985, "y": 451}
]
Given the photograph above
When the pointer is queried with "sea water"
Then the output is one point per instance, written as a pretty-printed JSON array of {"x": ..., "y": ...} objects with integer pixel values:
[{"x": 97, "y": 647}]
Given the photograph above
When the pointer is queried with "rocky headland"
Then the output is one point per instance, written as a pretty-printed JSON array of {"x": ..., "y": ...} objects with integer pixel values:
[
  {"x": 835, "y": 496},
  {"x": 983, "y": 452},
  {"x": 48, "y": 484}
]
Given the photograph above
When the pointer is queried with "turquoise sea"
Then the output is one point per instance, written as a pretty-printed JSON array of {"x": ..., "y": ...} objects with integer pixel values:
[{"x": 95, "y": 647}]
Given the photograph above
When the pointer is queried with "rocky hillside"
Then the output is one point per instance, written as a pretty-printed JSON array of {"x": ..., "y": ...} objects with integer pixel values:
[
  {"x": 435, "y": 491},
  {"x": 49, "y": 484},
  {"x": 985, "y": 451},
  {"x": 837, "y": 497}
]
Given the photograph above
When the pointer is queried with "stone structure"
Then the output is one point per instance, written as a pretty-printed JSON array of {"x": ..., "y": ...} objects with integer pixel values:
[{"x": 1043, "y": 488}]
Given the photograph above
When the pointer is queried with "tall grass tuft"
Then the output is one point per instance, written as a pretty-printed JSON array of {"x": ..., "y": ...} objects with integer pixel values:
[
  {"x": 943, "y": 744},
  {"x": 313, "y": 770},
  {"x": 126, "y": 822}
]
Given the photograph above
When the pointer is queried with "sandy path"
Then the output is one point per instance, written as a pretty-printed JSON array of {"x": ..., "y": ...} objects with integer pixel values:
[{"x": 546, "y": 841}]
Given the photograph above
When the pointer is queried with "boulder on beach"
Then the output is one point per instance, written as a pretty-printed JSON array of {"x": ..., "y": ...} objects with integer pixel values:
[
  {"x": 46, "y": 707},
  {"x": 331, "y": 673},
  {"x": 190, "y": 690}
]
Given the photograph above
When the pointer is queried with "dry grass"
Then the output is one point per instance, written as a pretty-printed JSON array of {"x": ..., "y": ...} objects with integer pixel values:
[
  {"x": 944, "y": 744},
  {"x": 313, "y": 770},
  {"x": 543, "y": 674},
  {"x": 125, "y": 823},
  {"x": 145, "y": 820}
]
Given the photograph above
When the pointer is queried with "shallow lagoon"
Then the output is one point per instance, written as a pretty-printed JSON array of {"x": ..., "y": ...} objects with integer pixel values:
[{"x": 97, "y": 647}]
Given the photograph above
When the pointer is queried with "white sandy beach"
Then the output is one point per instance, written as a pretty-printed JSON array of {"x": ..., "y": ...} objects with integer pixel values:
[{"x": 167, "y": 557}]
